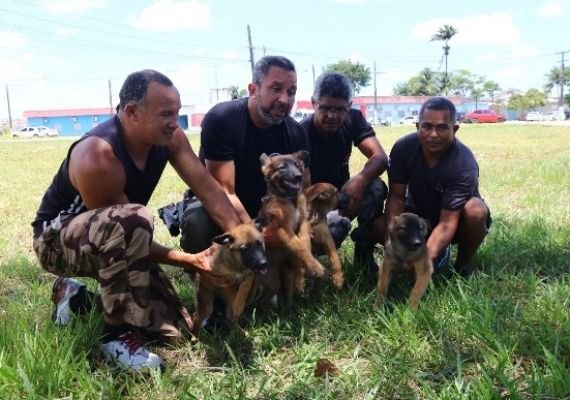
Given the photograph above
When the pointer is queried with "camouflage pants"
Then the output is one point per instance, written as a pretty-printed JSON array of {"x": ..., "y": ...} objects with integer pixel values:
[{"x": 112, "y": 245}]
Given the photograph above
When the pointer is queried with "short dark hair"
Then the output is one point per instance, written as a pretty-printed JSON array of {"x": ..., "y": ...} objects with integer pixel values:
[
  {"x": 439, "y": 104},
  {"x": 333, "y": 84},
  {"x": 262, "y": 66},
  {"x": 136, "y": 85}
]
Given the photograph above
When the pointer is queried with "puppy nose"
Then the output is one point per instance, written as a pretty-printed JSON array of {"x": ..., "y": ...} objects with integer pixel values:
[{"x": 416, "y": 244}]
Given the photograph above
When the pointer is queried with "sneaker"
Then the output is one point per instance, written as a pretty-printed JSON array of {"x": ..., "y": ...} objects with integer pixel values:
[
  {"x": 128, "y": 351},
  {"x": 66, "y": 291}
]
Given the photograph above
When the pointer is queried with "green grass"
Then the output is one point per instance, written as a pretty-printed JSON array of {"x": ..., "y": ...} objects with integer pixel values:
[{"x": 503, "y": 334}]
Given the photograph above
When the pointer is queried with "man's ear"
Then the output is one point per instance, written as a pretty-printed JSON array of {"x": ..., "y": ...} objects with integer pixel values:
[
  {"x": 314, "y": 102},
  {"x": 252, "y": 89},
  {"x": 130, "y": 110}
]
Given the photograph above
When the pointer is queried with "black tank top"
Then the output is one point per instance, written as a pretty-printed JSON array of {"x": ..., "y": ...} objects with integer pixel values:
[{"x": 61, "y": 198}]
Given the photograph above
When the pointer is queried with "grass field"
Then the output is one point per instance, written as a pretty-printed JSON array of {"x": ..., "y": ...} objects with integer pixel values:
[{"x": 505, "y": 333}]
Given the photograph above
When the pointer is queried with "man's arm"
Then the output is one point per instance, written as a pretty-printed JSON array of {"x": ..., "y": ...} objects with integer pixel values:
[
  {"x": 443, "y": 233},
  {"x": 203, "y": 184},
  {"x": 224, "y": 173},
  {"x": 395, "y": 204},
  {"x": 374, "y": 167}
]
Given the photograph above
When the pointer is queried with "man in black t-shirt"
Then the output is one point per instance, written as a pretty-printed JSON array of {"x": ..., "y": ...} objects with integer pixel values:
[
  {"x": 236, "y": 133},
  {"x": 436, "y": 176},
  {"x": 333, "y": 130}
]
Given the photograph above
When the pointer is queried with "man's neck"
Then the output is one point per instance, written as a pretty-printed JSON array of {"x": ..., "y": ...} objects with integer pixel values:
[{"x": 254, "y": 115}]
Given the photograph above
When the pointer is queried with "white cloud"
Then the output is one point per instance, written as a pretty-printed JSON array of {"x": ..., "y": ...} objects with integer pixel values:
[
  {"x": 351, "y": 1},
  {"x": 230, "y": 55},
  {"x": 554, "y": 8},
  {"x": 72, "y": 7},
  {"x": 12, "y": 40},
  {"x": 65, "y": 33},
  {"x": 483, "y": 30},
  {"x": 173, "y": 15}
]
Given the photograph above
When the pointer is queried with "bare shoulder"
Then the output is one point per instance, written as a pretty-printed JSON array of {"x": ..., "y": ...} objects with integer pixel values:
[{"x": 96, "y": 173}]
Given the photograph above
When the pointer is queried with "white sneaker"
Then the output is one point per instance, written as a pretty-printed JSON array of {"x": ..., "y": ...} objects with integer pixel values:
[
  {"x": 62, "y": 292},
  {"x": 128, "y": 351}
]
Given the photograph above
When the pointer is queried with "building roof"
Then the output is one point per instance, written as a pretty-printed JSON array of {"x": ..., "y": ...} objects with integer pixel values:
[{"x": 74, "y": 112}]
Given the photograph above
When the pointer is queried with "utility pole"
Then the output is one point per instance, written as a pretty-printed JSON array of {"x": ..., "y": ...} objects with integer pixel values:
[
  {"x": 562, "y": 80},
  {"x": 111, "y": 109},
  {"x": 313, "y": 69},
  {"x": 250, "y": 48},
  {"x": 376, "y": 94},
  {"x": 9, "y": 111}
]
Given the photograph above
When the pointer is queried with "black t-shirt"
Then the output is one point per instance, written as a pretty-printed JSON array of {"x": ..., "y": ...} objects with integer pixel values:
[
  {"x": 448, "y": 185},
  {"x": 228, "y": 133},
  {"x": 330, "y": 154}
]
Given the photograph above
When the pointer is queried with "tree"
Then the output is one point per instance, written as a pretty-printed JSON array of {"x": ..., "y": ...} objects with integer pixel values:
[
  {"x": 535, "y": 98},
  {"x": 444, "y": 34},
  {"x": 425, "y": 83},
  {"x": 358, "y": 73},
  {"x": 237, "y": 93},
  {"x": 555, "y": 77}
]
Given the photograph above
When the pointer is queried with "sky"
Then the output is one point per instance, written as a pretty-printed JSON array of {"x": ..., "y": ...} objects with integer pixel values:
[{"x": 58, "y": 54}]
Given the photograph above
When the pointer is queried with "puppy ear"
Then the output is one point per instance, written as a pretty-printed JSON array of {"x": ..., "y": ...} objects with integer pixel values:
[
  {"x": 304, "y": 156},
  {"x": 260, "y": 223},
  {"x": 264, "y": 158},
  {"x": 224, "y": 239}
]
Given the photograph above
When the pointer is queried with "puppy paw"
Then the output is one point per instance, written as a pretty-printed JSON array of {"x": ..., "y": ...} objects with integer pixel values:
[
  {"x": 338, "y": 280},
  {"x": 316, "y": 268}
]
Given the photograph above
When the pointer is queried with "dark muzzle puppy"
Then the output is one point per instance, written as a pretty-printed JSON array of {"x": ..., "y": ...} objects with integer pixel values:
[
  {"x": 239, "y": 255},
  {"x": 321, "y": 199},
  {"x": 405, "y": 250},
  {"x": 285, "y": 209}
]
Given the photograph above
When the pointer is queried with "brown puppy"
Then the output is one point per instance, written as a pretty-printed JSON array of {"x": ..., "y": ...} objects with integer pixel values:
[
  {"x": 321, "y": 199},
  {"x": 238, "y": 255},
  {"x": 405, "y": 250},
  {"x": 285, "y": 210}
]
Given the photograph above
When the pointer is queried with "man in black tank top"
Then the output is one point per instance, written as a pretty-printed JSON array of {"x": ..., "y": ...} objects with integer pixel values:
[
  {"x": 436, "y": 176},
  {"x": 234, "y": 135},
  {"x": 93, "y": 222}
]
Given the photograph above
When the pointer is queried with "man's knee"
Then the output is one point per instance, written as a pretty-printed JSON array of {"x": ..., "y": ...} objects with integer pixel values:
[
  {"x": 197, "y": 229},
  {"x": 475, "y": 212},
  {"x": 372, "y": 201}
]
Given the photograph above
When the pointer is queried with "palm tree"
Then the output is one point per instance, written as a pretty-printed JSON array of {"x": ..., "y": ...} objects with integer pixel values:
[
  {"x": 557, "y": 78},
  {"x": 444, "y": 34}
]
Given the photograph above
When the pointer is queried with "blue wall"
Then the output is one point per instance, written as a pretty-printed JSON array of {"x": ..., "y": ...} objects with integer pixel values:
[
  {"x": 77, "y": 126},
  {"x": 70, "y": 125}
]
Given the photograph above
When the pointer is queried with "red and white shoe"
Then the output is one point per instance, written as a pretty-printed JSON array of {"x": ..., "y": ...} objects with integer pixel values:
[
  {"x": 128, "y": 351},
  {"x": 64, "y": 289}
]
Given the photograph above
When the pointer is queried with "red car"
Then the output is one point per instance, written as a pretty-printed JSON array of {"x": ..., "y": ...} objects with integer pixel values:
[{"x": 479, "y": 116}]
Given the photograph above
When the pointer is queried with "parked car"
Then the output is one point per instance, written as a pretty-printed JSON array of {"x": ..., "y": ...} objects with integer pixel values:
[
  {"x": 534, "y": 116},
  {"x": 553, "y": 116},
  {"x": 409, "y": 120},
  {"x": 480, "y": 116},
  {"x": 35, "y": 131},
  {"x": 301, "y": 114}
]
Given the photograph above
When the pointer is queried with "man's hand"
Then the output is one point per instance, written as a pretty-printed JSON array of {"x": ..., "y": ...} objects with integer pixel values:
[
  {"x": 354, "y": 190},
  {"x": 201, "y": 263}
]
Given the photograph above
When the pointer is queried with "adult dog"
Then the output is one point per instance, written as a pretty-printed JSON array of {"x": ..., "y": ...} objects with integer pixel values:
[
  {"x": 321, "y": 199},
  {"x": 405, "y": 250},
  {"x": 284, "y": 208},
  {"x": 238, "y": 256}
]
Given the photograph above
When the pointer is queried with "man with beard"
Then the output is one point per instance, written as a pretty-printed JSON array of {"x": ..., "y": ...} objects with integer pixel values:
[
  {"x": 235, "y": 133},
  {"x": 333, "y": 130}
]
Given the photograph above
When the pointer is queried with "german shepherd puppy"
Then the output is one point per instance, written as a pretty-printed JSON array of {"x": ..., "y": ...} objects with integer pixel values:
[
  {"x": 405, "y": 250},
  {"x": 284, "y": 208},
  {"x": 321, "y": 199},
  {"x": 239, "y": 255}
]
